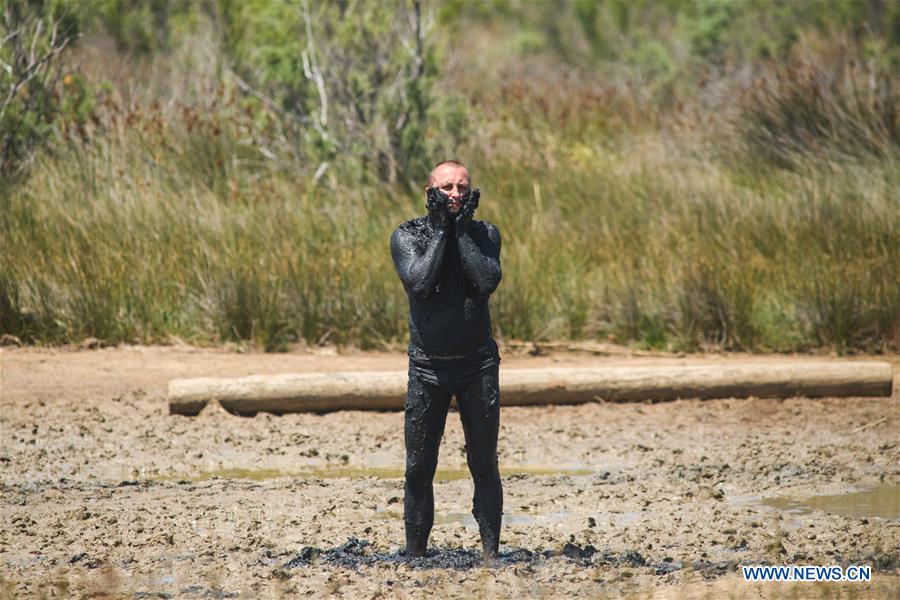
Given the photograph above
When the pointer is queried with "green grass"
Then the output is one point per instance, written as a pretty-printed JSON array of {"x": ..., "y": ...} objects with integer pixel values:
[
  {"x": 158, "y": 230},
  {"x": 762, "y": 217}
]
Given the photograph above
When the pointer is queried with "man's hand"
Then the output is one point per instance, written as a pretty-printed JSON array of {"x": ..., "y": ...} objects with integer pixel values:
[
  {"x": 437, "y": 208},
  {"x": 464, "y": 218}
]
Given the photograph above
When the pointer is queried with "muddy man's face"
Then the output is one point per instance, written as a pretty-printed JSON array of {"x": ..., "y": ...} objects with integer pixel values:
[{"x": 453, "y": 181}]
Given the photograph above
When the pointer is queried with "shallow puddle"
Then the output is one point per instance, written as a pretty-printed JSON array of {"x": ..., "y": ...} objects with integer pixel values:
[
  {"x": 881, "y": 501},
  {"x": 360, "y": 472}
]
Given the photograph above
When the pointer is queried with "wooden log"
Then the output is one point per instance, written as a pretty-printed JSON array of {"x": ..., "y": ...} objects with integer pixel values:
[
  {"x": 300, "y": 392},
  {"x": 558, "y": 386},
  {"x": 386, "y": 390}
]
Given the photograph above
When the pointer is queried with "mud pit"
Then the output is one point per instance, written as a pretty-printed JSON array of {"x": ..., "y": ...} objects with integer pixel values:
[{"x": 104, "y": 492}]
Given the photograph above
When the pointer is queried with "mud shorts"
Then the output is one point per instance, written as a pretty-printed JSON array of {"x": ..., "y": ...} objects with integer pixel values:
[{"x": 453, "y": 373}]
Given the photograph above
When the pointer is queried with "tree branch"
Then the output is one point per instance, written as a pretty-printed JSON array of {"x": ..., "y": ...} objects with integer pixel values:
[{"x": 312, "y": 71}]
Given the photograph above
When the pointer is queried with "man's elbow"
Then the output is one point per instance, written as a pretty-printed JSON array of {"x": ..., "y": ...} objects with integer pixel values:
[
  {"x": 419, "y": 289},
  {"x": 490, "y": 283},
  {"x": 421, "y": 293}
]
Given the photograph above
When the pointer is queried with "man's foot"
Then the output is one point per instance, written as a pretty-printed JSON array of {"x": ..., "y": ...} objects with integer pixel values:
[{"x": 490, "y": 559}]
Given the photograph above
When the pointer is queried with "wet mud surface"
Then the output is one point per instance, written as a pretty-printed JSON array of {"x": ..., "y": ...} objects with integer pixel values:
[{"x": 102, "y": 492}]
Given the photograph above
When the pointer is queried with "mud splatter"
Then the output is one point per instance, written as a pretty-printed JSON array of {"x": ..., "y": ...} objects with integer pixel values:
[{"x": 355, "y": 553}]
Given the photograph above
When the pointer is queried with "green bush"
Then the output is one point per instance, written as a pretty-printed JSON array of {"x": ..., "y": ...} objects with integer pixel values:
[
  {"x": 359, "y": 79},
  {"x": 833, "y": 103},
  {"x": 35, "y": 91},
  {"x": 247, "y": 190}
]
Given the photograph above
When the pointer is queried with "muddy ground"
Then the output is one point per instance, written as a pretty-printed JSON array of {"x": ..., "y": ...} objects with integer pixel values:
[{"x": 104, "y": 493}]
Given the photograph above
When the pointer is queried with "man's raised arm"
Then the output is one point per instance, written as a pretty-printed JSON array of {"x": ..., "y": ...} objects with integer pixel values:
[
  {"x": 418, "y": 271},
  {"x": 481, "y": 258}
]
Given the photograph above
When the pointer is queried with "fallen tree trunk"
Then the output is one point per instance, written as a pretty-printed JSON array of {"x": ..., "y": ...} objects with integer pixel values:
[{"x": 386, "y": 390}]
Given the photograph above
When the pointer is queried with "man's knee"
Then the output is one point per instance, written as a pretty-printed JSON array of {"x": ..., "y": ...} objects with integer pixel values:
[
  {"x": 419, "y": 471},
  {"x": 483, "y": 468},
  {"x": 492, "y": 394},
  {"x": 483, "y": 397}
]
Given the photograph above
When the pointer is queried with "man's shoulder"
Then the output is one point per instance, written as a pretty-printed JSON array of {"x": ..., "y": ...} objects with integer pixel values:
[
  {"x": 415, "y": 228},
  {"x": 413, "y": 225},
  {"x": 487, "y": 228},
  {"x": 486, "y": 224}
]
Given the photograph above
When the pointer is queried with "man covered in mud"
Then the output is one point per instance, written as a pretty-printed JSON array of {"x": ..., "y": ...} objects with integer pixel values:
[{"x": 449, "y": 264}]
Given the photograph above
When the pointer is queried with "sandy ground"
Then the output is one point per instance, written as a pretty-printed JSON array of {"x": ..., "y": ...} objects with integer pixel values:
[{"x": 104, "y": 493}]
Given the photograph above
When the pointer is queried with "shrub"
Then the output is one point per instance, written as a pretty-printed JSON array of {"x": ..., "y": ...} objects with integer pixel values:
[
  {"x": 828, "y": 101},
  {"x": 33, "y": 37}
]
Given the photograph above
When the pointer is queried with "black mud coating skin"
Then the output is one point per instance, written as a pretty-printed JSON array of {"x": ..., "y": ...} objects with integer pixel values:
[{"x": 449, "y": 266}]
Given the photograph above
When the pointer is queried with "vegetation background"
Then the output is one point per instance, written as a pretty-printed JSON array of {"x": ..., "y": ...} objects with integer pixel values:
[{"x": 695, "y": 174}]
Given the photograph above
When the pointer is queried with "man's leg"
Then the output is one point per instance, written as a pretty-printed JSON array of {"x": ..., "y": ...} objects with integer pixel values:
[
  {"x": 424, "y": 419},
  {"x": 479, "y": 410}
]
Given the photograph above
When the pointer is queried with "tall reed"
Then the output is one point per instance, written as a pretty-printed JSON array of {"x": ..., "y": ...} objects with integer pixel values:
[
  {"x": 653, "y": 243},
  {"x": 734, "y": 225}
]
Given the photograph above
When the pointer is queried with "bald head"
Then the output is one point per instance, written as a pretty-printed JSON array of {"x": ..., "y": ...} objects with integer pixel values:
[
  {"x": 452, "y": 178},
  {"x": 444, "y": 166}
]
